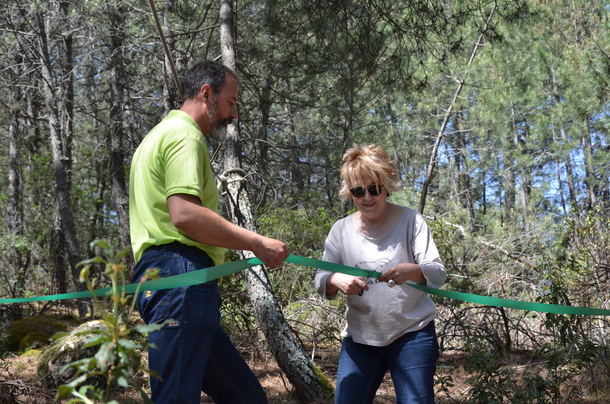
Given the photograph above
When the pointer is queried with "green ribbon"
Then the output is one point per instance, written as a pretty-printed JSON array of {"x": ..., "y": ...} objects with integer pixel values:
[
  {"x": 185, "y": 279},
  {"x": 331, "y": 266},
  {"x": 512, "y": 304},
  {"x": 212, "y": 273}
]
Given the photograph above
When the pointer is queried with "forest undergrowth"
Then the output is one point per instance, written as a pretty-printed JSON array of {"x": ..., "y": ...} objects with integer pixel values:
[{"x": 18, "y": 376}]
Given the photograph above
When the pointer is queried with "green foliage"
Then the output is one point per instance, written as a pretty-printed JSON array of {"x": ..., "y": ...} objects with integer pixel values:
[
  {"x": 577, "y": 270},
  {"x": 119, "y": 343},
  {"x": 491, "y": 382},
  {"x": 494, "y": 379},
  {"x": 303, "y": 230},
  {"x": 317, "y": 322}
]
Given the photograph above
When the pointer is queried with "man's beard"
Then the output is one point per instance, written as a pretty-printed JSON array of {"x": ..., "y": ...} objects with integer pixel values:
[
  {"x": 219, "y": 128},
  {"x": 219, "y": 131}
]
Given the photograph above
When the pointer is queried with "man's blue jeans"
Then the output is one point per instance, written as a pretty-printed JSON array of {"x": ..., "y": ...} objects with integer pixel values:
[
  {"x": 192, "y": 353},
  {"x": 411, "y": 360}
]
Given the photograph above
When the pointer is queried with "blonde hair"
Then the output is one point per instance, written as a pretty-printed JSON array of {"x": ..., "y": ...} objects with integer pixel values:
[{"x": 368, "y": 160}]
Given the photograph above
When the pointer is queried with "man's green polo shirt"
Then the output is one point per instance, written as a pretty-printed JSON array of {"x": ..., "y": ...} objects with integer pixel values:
[{"x": 173, "y": 158}]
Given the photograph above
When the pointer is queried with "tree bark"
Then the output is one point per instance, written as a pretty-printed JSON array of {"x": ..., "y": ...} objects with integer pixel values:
[
  {"x": 61, "y": 142},
  {"x": 510, "y": 167},
  {"x": 118, "y": 187},
  {"x": 57, "y": 255},
  {"x": 307, "y": 380},
  {"x": 521, "y": 144},
  {"x": 169, "y": 85},
  {"x": 17, "y": 258},
  {"x": 590, "y": 177},
  {"x": 564, "y": 140},
  {"x": 297, "y": 178},
  {"x": 264, "y": 101},
  {"x": 14, "y": 208},
  {"x": 463, "y": 171}
]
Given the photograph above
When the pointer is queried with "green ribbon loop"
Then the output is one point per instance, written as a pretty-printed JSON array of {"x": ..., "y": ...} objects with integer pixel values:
[{"x": 212, "y": 273}]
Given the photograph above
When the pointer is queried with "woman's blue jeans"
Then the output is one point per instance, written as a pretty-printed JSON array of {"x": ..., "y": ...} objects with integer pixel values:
[
  {"x": 191, "y": 353},
  {"x": 411, "y": 360}
]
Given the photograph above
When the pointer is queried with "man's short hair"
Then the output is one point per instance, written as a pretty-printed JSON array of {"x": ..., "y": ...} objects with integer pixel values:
[{"x": 207, "y": 72}]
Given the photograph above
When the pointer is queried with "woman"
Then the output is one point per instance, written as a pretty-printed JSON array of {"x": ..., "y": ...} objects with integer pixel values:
[{"x": 390, "y": 325}]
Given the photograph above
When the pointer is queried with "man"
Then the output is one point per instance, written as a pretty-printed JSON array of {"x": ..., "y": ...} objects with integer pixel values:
[{"x": 175, "y": 227}]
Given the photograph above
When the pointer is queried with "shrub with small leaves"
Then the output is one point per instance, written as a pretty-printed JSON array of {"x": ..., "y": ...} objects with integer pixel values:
[{"x": 119, "y": 343}]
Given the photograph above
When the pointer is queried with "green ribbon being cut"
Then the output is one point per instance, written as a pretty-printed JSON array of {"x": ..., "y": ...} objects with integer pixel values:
[{"x": 212, "y": 273}]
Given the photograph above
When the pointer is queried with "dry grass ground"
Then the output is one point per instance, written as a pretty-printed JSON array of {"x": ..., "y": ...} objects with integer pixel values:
[{"x": 18, "y": 374}]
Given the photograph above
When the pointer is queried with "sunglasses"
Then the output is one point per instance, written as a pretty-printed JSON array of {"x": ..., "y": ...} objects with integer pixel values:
[{"x": 359, "y": 192}]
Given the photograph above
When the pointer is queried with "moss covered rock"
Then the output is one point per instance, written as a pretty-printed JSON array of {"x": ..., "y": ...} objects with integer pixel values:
[
  {"x": 22, "y": 334},
  {"x": 52, "y": 368}
]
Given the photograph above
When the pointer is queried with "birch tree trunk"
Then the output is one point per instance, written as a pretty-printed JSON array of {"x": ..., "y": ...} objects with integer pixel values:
[{"x": 309, "y": 383}]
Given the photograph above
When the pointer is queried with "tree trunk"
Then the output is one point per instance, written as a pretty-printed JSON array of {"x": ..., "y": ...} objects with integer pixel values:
[
  {"x": 526, "y": 176},
  {"x": 57, "y": 253},
  {"x": 350, "y": 82},
  {"x": 463, "y": 182},
  {"x": 13, "y": 217},
  {"x": 100, "y": 166},
  {"x": 169, "y": 86},
  {"x": 60, "y": 144},
  {"x": 590, "y": 177},
  {"x": 118, "y": 187},
  {"x": 263, "y": 142},
  {"x": 294, "y": 167},
  {"x": 511, "y": 167},
  {"x": 264, "y": 102},
  {"x": 307, "y": 380},
  {"x": 564, "y": 140},
  {"x": 14, "y": 208},
  {"x": 394, "y": 134}
]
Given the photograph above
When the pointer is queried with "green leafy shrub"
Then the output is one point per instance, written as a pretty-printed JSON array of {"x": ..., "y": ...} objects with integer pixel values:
[{"x": 119, "y": 342}]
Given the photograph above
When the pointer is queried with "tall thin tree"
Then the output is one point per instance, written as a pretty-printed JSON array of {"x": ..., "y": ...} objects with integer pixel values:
[
  {"x": 282, "y": 341},
  {"x": 58, "y": 95},
  {"x": 118, "y": 187}
]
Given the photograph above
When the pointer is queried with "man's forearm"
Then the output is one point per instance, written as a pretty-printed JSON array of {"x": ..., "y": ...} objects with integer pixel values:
[{"x": 205, "y": 226}]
